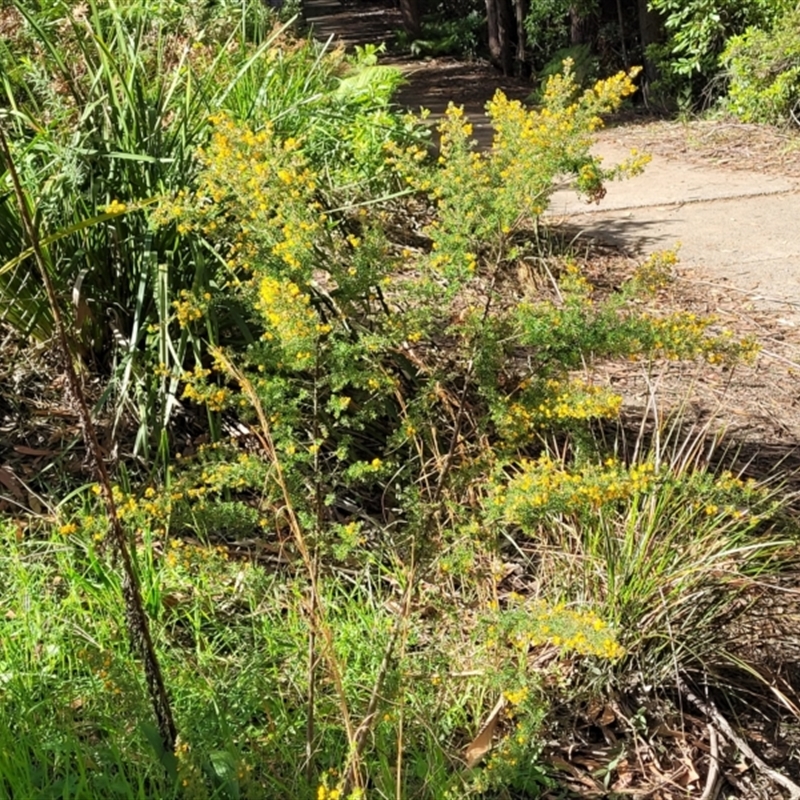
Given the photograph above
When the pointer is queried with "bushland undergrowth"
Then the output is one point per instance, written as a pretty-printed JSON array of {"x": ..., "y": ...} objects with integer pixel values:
[{"x": 329, "y": 588}]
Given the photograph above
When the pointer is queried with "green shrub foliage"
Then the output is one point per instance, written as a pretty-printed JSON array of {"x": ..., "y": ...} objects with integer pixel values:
[
  {"x": 764, "y": 71},
  {"x": 697, "y": 32}
]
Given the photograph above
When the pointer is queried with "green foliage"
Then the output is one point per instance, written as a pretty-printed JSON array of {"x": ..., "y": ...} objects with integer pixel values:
[
  {"x": 232, "y": 638},
  {"x": 663, "y": 546},
  {"x": 763, "y": 68},
  {"x": 547, "y": 29},
  {"x": 444, "y": 35},
  {"x": 398, "y": 396},
  {"x": 335, "y": 300},
  {"x": 585, "y": 64},
  {"x": 107, "y": 106},
  {"x": 697, "y": 32}
]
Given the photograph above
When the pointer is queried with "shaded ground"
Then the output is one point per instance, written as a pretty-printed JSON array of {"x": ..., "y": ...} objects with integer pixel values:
[{"x": 432, "y": 82}]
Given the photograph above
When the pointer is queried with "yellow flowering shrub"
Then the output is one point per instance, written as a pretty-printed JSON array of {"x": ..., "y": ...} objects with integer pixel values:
[
  {"x": 528, "y": 624},
  {"x": 547, "y": 486},
  {"x": 481, "y": 198},
  {"x": 567, "y": 333},
  {"x": 531, "y": 491},
  {"x": 413, "y": 394},
  {"x": 538, "y": 406}
]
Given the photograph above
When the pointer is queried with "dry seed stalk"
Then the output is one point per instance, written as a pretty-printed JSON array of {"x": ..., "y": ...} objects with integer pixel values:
[
  {"x": 135, "y": 615},
  {"x": 316, "y": 609}
]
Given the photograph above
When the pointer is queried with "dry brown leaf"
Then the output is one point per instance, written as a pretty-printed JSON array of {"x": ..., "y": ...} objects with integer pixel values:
[
  {"x": 34, "y": 503},
  {"x": 11, "y": 482},
  {"x": 32, "y": 451},
  {"x": 601, "y": 713},
  {"x": 625, "y": 775},
  {"x": 579, "y": 775},
  {"x": 482, "y": 743},
  {"x": 663, "y": 730},
  {"x": 607, "y": 717}
]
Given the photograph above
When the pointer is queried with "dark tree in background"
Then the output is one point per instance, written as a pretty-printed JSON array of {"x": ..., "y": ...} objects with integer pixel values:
[
  {"x": 582, "y": 24},
  {"x": 521, "y": 8},
  {"x": 412, "y": 17},
  {"x": 522, "y": 36},
  {"x": 499, "y": 21},
  {"x": 651, "y": 29}
]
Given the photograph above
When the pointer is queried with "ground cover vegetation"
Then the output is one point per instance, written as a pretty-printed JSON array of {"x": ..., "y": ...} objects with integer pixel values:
[{"x": 393, "y": 523}]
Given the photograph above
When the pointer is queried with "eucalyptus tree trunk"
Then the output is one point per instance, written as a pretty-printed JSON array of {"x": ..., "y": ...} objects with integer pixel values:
[
  {"x": 582, "y": 25},
  {"x": 521, "y": 8},
  {"x": 500, "y": 21},
  {"x": 651, "y": 30}
]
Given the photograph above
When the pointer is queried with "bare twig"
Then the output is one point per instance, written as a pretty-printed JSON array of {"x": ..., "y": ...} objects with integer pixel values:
[
  {"x": 135, "y": 615},
  {"x": 708, "y": 708},
  {"x": 710, "y": 789}
]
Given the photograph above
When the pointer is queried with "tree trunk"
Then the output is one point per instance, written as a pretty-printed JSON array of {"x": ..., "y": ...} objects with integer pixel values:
[
  {"x": 521, "y": 11},
  {"x": 499, "y": 19},
  {"x": 582, "y": 26},
  {"x": 651, "y": 30},
  {"x": 412, "y": 20}
]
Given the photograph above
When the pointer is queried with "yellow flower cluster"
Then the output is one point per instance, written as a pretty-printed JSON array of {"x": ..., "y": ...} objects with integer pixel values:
[
  {"x": 199, "y": 391},
  {"x": 545, "y": 486},
  {"x": 263, "y": 184},
  {"x": 291, "y": 319},
  {"x": 727, "y": 481},
  {"x": 516, "y": 697},
  {"x": 187, "y": 556},
  {"x": 297, "y": 242},
  {"x": 656, "y": 271},
  {"x": 188, "y": 309},
  {"x": 685, "y": 335},
  {"x": 573, "y": 401},
  {"x": 534, "y": 623},
  {"x": 116, "y": 208}
]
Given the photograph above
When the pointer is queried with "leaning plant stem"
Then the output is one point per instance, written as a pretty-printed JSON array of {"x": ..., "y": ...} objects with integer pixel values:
[
  {"x": 312, "y": 636},
  {"x": 316, "y": 610},
  {"x": 367, "y": 722},
  {"x": 135, "y": 615}
]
